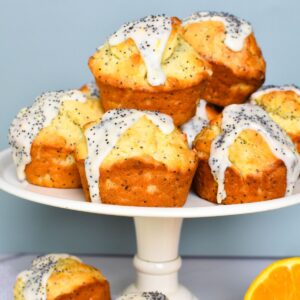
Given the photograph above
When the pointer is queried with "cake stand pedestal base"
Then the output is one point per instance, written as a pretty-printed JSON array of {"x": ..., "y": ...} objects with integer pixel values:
[{"x": 157, "y": 262}]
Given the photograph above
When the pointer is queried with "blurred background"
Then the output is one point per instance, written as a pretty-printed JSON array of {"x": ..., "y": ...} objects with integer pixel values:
[{"x": 45, "y": 45}]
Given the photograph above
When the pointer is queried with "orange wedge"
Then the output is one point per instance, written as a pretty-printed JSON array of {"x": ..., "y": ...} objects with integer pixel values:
[{"x": 279, "y": 281}]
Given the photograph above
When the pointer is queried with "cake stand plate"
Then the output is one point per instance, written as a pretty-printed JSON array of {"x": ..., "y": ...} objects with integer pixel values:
[{"x": 157, "y": 229}]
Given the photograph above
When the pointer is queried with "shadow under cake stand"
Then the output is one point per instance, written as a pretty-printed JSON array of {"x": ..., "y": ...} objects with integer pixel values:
[{"x": 157, "y": 229}]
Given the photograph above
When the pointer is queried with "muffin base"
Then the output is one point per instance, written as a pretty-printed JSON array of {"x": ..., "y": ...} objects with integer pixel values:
[
  {"x": 95, "y": 291},
  {"x": 134, "y": 182},
  {"x": 225, "y": 88},
  {"x": 179, "y": 104},
  {"x": 266, "y": 185},
  {"x": 53, "y": 167}
]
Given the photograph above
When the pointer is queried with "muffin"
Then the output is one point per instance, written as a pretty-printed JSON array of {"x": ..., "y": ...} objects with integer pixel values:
[
  {"x": 61, "y": 277},
  {"x": 282, "y": 103},
  {"x": 205, "y": 112},
  {"x": 91, "y": 90},
  {"x": 229, "y": 45},
  {"x": 147, "y": 65},
  {"x": 136, "y": 158},
  {"x": 43, "y": 137},
  {"x": 244, "y": 157}
]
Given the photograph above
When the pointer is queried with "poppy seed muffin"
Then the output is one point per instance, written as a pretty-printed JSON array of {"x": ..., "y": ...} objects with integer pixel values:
[
  {"x": 61, "y": 277},
  {"x": 244, "y": 157},
  {"x": 282, "y": 103},
  {"x": 43, "y": 137},
  {"x": 136, "y": 158},
  {"x": 229, "y": 45},
  {"x": 147, "y": 65}
]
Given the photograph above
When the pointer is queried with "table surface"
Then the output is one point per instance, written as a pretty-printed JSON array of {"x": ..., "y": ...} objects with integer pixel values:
[{"x": 207, "y": 278}]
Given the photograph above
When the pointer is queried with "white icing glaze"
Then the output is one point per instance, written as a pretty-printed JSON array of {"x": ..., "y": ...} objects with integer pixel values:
[
  {"x": 196, "y": 124},
  {"x": 144, "y": 296},
  {"x": 35, "y": 279},
  {"x": 236, "y": 29},
  {"x": 150, "y": 35},
  {"x": 201, "y": 110},
  {"x": 30, "y": 120},
  {"x": 93, "y": 89},
  {"x": 102, "y": 138},
  {"x": 237, "y": 118},
  {"x": 273, "y": 88}
]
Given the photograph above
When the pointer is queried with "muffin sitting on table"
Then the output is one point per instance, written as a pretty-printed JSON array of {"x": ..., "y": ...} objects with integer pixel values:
[{"x": 61, "y": 277}]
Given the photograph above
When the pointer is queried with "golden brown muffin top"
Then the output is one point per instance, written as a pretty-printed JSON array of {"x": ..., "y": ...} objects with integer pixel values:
[
  {"x": 244, "y": 137},
  {"x": 282, "y": 104},
  {"x": 208, "y": 33},
  {"x": 123, "y": 65},
  {"x": 70, "y": 122},
  {"x": 66, "y": 274},
  {"x": 249, "y": 153},
  {"x": 145, "y": 139}
]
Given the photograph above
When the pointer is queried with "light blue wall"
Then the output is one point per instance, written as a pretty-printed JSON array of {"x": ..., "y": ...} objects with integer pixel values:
[{"x": 44, "y": 45}]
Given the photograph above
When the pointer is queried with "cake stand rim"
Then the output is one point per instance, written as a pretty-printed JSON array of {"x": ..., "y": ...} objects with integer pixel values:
[{"x": 132, "y": 211}]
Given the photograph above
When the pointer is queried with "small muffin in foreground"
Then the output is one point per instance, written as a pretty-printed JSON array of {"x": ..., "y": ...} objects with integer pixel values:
[
  {"x": 61, "y": 277},
  {"x": 244, "y": 157},
  {"x": 282, "y": 103},
  {"x": 229, "y": 45},
  {"x": 136, "y": 158},
  {"x": 43, "y": 137},
  {"x": 147, "y": 65},
  {"x": 205, "y": 112}
]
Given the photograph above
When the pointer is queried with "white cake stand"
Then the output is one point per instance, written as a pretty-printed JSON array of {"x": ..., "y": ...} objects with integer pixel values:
[{"x": 157, "y": 229}]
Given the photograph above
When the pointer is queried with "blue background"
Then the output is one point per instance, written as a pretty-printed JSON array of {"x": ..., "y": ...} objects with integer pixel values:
[{"x": 45, "y": 45}]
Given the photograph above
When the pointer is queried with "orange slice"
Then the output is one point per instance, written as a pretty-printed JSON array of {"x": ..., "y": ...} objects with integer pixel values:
[{"x": 279, "y": 281}]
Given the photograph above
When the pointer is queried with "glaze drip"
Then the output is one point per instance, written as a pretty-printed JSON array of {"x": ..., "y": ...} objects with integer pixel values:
[
  {"x": 197, "y": 123},
  {"x": 236, "y": 29},
  {"x": 93, "y": 89},
  {"x": 274, "y": 88},
  {"x": 150, "y": 35},
  {"x": 35, "y": 279},
  {"x": 144, "y": 296},
  {"x": 237, "y": 118},
  {"x": 102, "y": 138},
  {"x": 30, "y": 120}
]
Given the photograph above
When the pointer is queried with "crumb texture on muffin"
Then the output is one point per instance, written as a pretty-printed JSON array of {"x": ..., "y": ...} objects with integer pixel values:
[
  {"x": 60, "y": 277},
  {"x": 243, "y": 156}
]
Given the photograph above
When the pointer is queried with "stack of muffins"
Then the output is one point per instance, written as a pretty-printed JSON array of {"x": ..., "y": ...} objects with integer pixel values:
[{"x": 167, "y": 109}]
